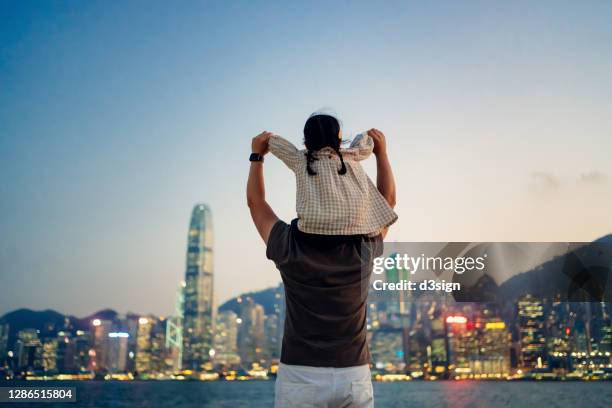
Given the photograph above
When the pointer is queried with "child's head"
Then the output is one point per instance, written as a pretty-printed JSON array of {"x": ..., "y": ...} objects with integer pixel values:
[{"x": 322, "y": 131}]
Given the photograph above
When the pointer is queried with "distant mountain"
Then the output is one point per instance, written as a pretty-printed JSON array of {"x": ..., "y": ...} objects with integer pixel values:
[
  {"x": 605, "y": 239},
  {"x": 48, "y": 322},
  {"x": 580, "y": 275},
  {"x": 265, "y": 297}
]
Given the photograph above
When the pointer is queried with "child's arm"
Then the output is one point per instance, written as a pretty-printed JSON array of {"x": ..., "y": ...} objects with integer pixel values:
[
  {"x": 285, "y": 150},
  {"x": 361, "y": 147}
]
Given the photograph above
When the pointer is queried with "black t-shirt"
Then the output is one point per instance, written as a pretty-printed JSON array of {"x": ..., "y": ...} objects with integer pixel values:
[{"x": 326, "y": 280}]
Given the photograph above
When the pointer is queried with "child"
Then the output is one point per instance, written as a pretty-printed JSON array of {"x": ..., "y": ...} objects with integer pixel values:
[{"x": 334, "y": 194}]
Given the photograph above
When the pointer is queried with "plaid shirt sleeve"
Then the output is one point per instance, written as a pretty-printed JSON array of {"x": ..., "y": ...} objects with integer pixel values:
[
  {"x": 285, "y": 151},
  {"x": 361, "y": 147}
]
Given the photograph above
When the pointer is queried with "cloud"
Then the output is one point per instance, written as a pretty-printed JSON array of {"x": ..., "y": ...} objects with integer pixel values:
[{"x": 594, "y": 177}]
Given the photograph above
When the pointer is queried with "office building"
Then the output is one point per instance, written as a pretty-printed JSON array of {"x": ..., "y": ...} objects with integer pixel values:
[
  {"x": 198, "y": 293},
  {"x": 532, "y": 339}
]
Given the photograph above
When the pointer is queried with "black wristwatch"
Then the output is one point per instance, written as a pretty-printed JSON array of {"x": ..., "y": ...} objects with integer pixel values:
[{"x": 256, "y": 157}]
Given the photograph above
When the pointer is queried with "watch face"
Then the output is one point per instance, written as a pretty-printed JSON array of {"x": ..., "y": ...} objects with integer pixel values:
[{"x": 256, "y": 157}]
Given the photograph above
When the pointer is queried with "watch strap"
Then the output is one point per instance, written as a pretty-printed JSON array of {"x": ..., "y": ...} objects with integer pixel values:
[{"x": 256, "y": 157}]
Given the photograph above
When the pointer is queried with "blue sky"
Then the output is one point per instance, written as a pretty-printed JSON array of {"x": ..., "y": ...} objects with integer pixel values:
[{"x": 117, "y": 117}]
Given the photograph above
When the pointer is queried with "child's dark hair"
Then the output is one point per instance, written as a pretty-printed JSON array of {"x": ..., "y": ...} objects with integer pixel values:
[{"x": 322, "y": 131}]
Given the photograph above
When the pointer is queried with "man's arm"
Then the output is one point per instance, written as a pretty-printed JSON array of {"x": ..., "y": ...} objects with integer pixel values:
[
  {"x": 261, "y": 212},
  {"x": 385, "y": 182}
]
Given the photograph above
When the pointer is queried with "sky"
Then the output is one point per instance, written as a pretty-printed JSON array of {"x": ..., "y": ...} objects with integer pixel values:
[{"x": 117, "y": 117}]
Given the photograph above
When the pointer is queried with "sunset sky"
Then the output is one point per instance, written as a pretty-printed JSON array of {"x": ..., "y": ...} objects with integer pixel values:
[{"x": 117, "y": 117}]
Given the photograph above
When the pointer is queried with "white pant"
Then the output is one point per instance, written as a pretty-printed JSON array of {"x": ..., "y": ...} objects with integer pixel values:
[{"x": 323, "y": 387}]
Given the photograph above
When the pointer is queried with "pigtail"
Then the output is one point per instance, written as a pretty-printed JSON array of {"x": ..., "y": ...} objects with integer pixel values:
[
  {"x": 309, "y": 160},
  {"x": 342, "y": 170}
]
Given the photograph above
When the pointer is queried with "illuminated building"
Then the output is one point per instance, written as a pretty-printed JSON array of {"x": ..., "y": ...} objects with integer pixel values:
[
  {"x": 143, "y": 345},
  {"x": 151, "y": 346},
  {"x": 460, "y": 344},
  {"x": 82, "y": 343},
  {"x": 198, "y": 300},
  {"x": 437, "y": 359},
  {"x": 130, "y": 326},
  {"x": 49, "y": 356},
  {"x": 174, "y": 332},
  {"x": 493, "y": 349},
  {"x": 250, "y": 332},
  {"x": 100, "y": 344},
  {"x": 117, "y": 354},
  {"x": 158, "y": 346},
  {"x": 29, "y": 350},
  {"x": 226, "y": 339},
  {"x": 532, "y": 338},
  {"x": 600, "y": 330},
  {"x": 65, "y": 353},
  {"x": 387, "y": 349},
  {"x": 417, "y": 351},
  {"x": 418, "y": 340},
  {"x": 558, "y": 335},
  {"x": 271, "y": 329},
  {"x": 580, "y": 338}
]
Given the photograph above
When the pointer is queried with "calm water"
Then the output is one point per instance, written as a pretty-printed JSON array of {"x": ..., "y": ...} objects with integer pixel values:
[{"x": 260, "y": 394}]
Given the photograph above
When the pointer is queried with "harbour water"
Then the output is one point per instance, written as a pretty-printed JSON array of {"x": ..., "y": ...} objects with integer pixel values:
[{"x": 459, "y": 394}]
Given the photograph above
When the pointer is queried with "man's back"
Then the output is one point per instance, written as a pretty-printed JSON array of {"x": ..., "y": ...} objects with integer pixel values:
[{"x": 326, "y": 291}]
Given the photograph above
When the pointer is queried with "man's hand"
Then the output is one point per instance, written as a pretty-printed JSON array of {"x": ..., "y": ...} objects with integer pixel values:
[
  {"x": 380, "y": 143},
  {"x": 259, "y": 144}
]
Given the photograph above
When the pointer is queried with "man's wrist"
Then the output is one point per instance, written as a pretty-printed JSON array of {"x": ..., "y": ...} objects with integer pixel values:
[
  {"x": 256, "y": 157},
  {"x": 381, "y": 155}
]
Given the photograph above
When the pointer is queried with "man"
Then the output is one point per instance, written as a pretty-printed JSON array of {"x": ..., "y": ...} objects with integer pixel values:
[{"x": 325, "y": 356}]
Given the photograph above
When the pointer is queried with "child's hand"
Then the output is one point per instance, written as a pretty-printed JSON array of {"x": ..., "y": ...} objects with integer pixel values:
[
  {"x": 259, "y": 144},
  {"x": 380, "y": 143}
]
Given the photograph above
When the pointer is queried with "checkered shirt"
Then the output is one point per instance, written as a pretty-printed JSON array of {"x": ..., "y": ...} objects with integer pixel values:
[{"x": 332, "y": 204}]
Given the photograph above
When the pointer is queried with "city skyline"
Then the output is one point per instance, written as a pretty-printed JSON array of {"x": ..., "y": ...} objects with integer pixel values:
[
  {"x": 117, "y": 118},
  {"x": 427, "y": 337}
]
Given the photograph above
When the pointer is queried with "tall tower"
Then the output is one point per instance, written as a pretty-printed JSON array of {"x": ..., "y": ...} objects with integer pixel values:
[{"x": 198, "y": 300}]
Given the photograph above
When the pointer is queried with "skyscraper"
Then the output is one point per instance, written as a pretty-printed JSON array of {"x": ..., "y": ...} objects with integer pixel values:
[
  {"x": 117, "y": 355},
  {"x": 198, "y": 301},
  {"x": 100, "y": 330},
  {"x": 226, "y": 339},
  {"x": 531, "y": 333},
  {"x": 493, "y": 349},
  {"x": 251, "y": 341},
  {"x": 150, "y": 346},
  {"x": 143, "y": 345}
]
